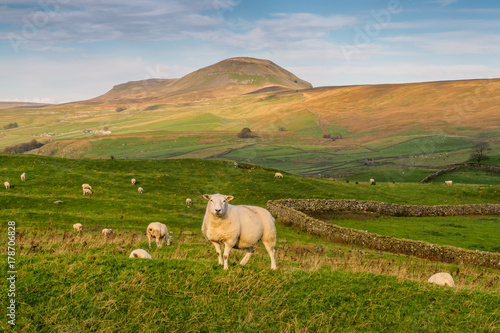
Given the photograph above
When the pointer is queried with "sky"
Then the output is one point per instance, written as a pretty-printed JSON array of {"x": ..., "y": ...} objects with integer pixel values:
[{"x": 56, "y": 51}]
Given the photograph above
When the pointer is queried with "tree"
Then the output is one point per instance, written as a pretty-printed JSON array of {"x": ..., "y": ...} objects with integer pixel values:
[
  {"x": 479, "y": 152},
  {"x": 246, "y": 133}
]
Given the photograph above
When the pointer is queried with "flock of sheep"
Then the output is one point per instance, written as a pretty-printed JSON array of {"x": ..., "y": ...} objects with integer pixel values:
[
  {"x": 239, "y": 227},
  {"x": 231, "y": 226}
]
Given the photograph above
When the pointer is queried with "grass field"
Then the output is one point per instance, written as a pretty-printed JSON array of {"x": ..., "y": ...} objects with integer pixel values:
[{"x": 69, "y": 283}]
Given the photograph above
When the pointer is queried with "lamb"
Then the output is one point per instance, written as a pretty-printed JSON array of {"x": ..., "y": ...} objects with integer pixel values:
[
  {"x": 239, "y": 227},
  {"x": 188, "y": 201},
  {"x": 107, "y": 232},
  {"x": 159, "y": 232},
  {"x": 133, "y": 181},
  {"x": 139, "y": 253},
  {"x": 7, "y": 185},
  {"x": 23, "y": 176},
  {"x": 78, "y": 227},
  {"x": 87, "y": 191},
  {"x": 84, "y": 186},
  {"x": 140, "y": 190},
  {"x": 372, "y": 181},
  {"x": 449, "y": 182},
  {"x": 442, "y": 279},
  {"x": 278, "y": 175}
]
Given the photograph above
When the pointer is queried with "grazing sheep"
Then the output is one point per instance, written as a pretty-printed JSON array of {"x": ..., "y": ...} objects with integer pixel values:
[
  {"x": 278, "y": 175},
  {"x": 188, "y": 201},
  {"x": 449, "y": 182},
  {"x": 140, "y": 253},
  {"x": 84, "y": 186},
  {"x": 239, "y": 227},
  {"x": 140, "y": 190},
  {"x": 442, "y": 279},
  {"x": 133, "y": 181},
  {"x": 7, "y": 185},
  {"x": 159, "y": 232},
  {"x": 372, "y": 181},
  {"x": 107, "y": 232},
  {"x": 78, "y": 227},
  {"x": 23, "y": 176},
  {"x": 87, "y": 191}
]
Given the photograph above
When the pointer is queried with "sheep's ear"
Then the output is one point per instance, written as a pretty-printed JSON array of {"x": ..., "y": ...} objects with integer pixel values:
[
  {"x": 229, "y": 197},
  {"x": 207, "y": 196}
]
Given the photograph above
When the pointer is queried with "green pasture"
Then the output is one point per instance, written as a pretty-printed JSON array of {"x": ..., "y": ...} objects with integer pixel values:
[
  {"x": 81, "y": 283},
  {"x": 474, "y": 233}
]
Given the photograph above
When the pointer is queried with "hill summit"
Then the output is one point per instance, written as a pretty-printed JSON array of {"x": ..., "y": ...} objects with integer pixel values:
[{"x": 230, "y": 77}]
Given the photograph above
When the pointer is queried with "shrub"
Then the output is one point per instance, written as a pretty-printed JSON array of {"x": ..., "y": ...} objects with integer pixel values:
[
  {"x": 11, "y": 125},
  {"x": 23, "y": 147}
]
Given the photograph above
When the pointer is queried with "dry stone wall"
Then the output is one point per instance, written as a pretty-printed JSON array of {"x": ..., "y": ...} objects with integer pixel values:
[{"x": 291, "y": 213}]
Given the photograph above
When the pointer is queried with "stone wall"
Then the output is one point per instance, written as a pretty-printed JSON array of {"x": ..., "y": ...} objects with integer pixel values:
[{"x": 290, "y": 213}]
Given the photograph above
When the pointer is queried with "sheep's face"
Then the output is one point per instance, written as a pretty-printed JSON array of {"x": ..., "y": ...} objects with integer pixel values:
[{"x": 218, "y": 203}]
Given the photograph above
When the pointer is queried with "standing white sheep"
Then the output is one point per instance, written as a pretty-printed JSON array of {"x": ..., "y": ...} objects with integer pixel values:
[
  {"x": 372, "y": 181},
  {"x": 87, "y": 191},
  {"x": 278, "y": 175},
  {"x": 133, "y": 181},
  {"x": 442, "y": 279},
  {"x": 139, "y": 253},
  {"x": 140, "y": 190},
  {"x": 449, "y": 182},
  {"x": 159, "y": 232},
  {"x": 107, "y": 232},
  {"x": 84, "y": 186},
  {"x": 78, "y": 227},
  {"x": 23, "y": 176},
  {"x": 7, "y": 185},
  {"x": 239, "y": 227},
  {"x": 188, "y": 201}
]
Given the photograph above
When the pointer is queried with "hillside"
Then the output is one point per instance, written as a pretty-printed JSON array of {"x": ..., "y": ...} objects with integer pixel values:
[
  {"x": 66, "y": 282},
  {"x": 230, "y": 77},
  {"x": 330, "y": 131}
]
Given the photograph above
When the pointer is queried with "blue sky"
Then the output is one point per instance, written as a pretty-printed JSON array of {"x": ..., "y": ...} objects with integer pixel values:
[{"x": 66, "y": 50}]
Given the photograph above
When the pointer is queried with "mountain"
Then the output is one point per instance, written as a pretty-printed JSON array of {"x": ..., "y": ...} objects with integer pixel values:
[{"x": 230, "y": 77}]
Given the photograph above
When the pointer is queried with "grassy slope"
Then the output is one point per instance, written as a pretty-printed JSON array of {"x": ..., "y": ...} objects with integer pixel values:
[{"x": 69, "y": 283}]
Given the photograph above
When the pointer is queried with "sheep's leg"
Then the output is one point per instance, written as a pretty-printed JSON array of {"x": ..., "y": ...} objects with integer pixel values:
[
  {"x": 272, "y": 251},
  {"x": 227, "y": 249},
  {"x": 217, "y": 249},
  {"x": 149, "y": 238},
  {"x": 159, "y": 242},
  {"x": 247, "y": 256}
]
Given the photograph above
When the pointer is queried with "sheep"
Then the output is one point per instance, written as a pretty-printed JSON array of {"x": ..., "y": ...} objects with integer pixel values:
[
  {"x": 107, "y": 232},
  {"x": 78, "y": 227},
  {"x": 139, "y": 253},
  {"x": 442, "y": 279},
  {"x": 87, "y": 191},
  {"x": 7, "y": 185},
  {"x": 159, "y": 232},
  {"x": 140, "y": 190},
  {"x": 133, "y": 181},
  {"x": 372, "y": 181},
  {"x": 188, "y": 201},
  {"x": 449, "y": 182},
  {"x": 239, "y": 227},
  {"x": 278, "y": 175},
  {"x": 23, "y": 176},
  {"x": 84, "y": 186}
]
